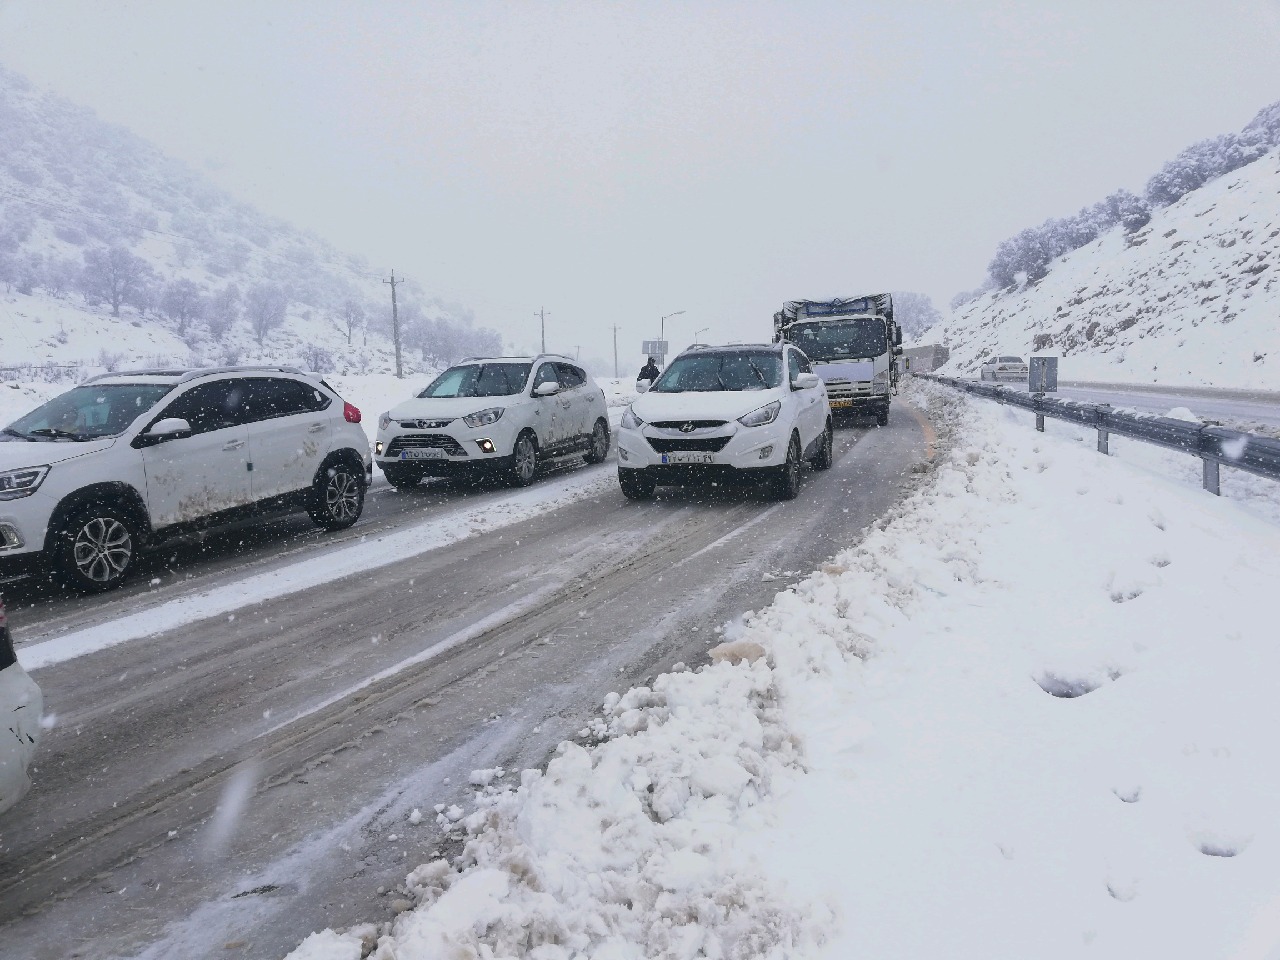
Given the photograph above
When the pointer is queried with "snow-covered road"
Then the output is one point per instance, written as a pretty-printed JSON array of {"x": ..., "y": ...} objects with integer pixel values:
[{"x": 340, "y": 706}]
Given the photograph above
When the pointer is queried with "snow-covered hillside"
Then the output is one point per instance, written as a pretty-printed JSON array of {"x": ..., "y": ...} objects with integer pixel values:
[
  {"x": 1191, "y": 298},
  {"x": 112, "y": 253}
]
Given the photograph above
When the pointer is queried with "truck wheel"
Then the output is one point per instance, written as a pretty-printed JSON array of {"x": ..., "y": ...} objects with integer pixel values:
[
  {"x": 823, "y": 458},
  {"x": 786, "y": 484},
  {"x": 96, "y": 548},
  {"x": 635, "y": 484},
  {"x": 882, "y": 417}
]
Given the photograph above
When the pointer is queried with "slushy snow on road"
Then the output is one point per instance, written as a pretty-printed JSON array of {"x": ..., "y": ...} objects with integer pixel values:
[{"x": 1029, "y": 714}]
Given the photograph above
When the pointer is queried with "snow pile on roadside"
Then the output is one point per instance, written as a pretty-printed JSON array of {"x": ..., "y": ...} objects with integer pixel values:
[{"x": 1030, "y": 714}]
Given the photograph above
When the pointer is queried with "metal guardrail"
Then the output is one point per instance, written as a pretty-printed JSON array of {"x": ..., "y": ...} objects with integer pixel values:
[{"x": 1215, "y": 446}]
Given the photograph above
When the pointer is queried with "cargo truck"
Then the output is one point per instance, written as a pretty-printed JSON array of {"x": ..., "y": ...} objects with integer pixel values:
[{"x": 852, "y": 344}]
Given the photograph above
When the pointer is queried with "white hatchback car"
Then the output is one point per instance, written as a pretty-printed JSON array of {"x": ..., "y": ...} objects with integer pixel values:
[
  {"x": 21, "y": 707},
  {"x": 499, "y": 414},
  {"x": 738, "y": 412},
  {"x": 127, "y": 459}
]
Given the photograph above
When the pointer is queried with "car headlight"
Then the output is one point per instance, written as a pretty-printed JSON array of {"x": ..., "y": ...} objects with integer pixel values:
[
  {"x": 15, "y": 484},
  {"x": 384, "y": 421},
  {"x": 766, "y": 414},
  {"x": 630, "y": 421},
  {"x": 482, "y": 418}
]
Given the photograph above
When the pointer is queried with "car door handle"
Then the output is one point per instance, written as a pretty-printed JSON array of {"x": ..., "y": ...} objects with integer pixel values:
[
  {"x": 233, "y": 445},
  {"x": 315, "y": 428}
]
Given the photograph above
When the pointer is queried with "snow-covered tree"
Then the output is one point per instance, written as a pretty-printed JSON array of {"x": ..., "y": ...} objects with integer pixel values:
[
  {"x": 265, "y": 306},
  {"x": 113, "y": 275},
  {"x": 914, "y": 312}
]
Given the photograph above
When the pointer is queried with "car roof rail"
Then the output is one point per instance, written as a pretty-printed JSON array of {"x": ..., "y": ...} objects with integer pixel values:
[{"x": 191, "y": 373}]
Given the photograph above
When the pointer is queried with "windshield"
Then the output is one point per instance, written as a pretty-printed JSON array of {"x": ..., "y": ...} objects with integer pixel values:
[
  {"x": 840, "y": 339},
  {"x": 479, "y": 380},
  {"x": 754, "y": 370},
  {"x": 89, "y": 412}
]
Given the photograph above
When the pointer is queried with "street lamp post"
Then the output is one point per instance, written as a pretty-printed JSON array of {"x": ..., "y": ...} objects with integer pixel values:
[
  {"x": 698, "y": 332},
  {"x": 662, "y": 324}
]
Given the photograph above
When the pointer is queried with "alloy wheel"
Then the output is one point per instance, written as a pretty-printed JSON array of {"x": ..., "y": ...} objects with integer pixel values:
[
  {"x": 526, "y": 458},
  {"x": 342, "y": 497},
  {"x": 102, "y": 549}
]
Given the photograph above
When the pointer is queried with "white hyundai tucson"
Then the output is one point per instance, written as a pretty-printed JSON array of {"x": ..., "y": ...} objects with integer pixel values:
[
  {"x": 726, "y": 413},
  {"x": 500, "y": 415}
]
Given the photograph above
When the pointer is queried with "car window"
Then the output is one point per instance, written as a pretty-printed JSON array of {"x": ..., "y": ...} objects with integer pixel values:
[
  {"x": 793, "y": 365},
  {"x": 546, "y": 374},
  {"x": 479, "y": 380},
  {"x": 271, "y": 397},
  {"x": 704, "y": 372},
  {"x": 211, "y": 406},
  {"x": 89, "y": 412},
  {"x": 570, "y": 376}
]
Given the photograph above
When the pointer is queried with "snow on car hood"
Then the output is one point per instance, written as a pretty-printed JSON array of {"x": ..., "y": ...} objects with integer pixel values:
[
  {"x": 446, "y": 408},
  {"x": 712, "y": 405},
  {"x": 851, "y": 370},
  {"x": 16, "y": 453}
]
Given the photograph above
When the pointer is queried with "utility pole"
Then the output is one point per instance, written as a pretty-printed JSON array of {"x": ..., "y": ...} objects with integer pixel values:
[
  {"x": 542, "y": 314},
  {"x": 615, "y": 351},
  {"x": 395, "y": 322}
]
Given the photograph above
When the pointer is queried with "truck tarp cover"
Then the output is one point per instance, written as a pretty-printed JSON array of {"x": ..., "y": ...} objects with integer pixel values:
[{"x": 880, "y": 304}]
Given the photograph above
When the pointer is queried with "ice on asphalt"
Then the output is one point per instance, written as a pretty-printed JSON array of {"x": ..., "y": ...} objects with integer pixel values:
[{"x": 1029, "y": 714}]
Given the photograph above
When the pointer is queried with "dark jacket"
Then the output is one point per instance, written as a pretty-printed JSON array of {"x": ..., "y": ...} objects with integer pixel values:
[{"x": 649, "y": 371}]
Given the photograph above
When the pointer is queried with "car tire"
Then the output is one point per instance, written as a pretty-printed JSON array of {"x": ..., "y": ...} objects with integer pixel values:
[
  {"x": 599, "y": 448},
  {"x": 524, "y": 459},
  {"x": 786, "y": 482},
  {"x": 636, "y": 484},
  {"x": 823, "y": 459},
  {"x": 337, "y": 496},
  {"x": 96, "y": 549}
]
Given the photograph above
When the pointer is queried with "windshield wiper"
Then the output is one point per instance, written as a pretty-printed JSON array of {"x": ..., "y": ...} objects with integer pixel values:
[
  {"x": 15, "y": 433},
  {"x": 57, "y": 433},
  {"x": 756, "y": 371}
]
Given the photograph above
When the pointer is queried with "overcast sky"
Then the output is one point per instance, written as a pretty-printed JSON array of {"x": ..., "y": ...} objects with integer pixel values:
[{"x": 614, "y": 162}]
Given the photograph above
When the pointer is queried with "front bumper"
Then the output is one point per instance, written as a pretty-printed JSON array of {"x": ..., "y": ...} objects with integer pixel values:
[
  {"x": 460, "y": 447},
  {"x": 743, "y": 448}
]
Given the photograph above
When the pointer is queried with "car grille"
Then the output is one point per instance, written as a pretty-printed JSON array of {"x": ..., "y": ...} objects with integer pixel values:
[
  {"x": 691, "y": 444},
  {"x": 425, "y": 424},
  {"x": 843, "y": 388},
  {"x": 697, "y": 424},
  {"x": 425, "y": 440}
]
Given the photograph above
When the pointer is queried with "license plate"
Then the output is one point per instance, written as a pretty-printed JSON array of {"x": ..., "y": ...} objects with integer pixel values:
[
  {"x": 687, "y": 458},
  {"x": 426, "y": 453},
  {"x": 836, "y": 404}
]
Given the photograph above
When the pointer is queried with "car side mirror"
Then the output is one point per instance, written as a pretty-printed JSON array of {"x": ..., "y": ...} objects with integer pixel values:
[
  {"x": 642, "y": 386},
  {"x": 546, "y": 389},
  {"x": 170, "y": 428},
  {"x": 805, "y": 381}
]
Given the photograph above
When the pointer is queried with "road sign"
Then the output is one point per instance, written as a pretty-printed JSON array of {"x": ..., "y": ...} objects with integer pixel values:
[{"x": 654, "y": 348}]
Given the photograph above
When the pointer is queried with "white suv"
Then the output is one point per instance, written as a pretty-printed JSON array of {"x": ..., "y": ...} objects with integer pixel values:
[
  {"x": 21, "y": 707},
  {"x": 126, "y": 459},
  {"x": 501, "y": 414},
  {"x": 739, "y": 412}
]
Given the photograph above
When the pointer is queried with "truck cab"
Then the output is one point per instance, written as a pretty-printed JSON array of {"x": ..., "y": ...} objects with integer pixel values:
[{"x": 852, "y": 345}]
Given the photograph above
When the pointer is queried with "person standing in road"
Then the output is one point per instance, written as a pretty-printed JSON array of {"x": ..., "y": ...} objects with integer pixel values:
[{"x": 649, "y": 371}]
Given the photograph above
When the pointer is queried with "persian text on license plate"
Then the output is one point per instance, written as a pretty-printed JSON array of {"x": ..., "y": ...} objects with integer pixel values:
[
  {"x": 426, "y": 453},
  {"x": 687, "y": 458},
  {"x": 836, "y": 404}
]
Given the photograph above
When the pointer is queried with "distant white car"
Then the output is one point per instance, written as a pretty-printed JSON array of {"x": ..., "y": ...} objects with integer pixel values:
[
  {"x": 1003, "y": 368},
  {"x": 21, "y": 706},
  {"x": 500, "y": 415},
  {"x": 738, "y": 412}
]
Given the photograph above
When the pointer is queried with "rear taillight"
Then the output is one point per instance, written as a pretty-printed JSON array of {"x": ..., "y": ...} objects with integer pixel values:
[{"x": 349, "y": 413}]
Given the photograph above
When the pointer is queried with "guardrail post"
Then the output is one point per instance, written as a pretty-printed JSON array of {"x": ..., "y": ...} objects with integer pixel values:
[
  {"x": 1210, "y": 475},
  {"x": 1104, "y": 435},
  {"x": 1040, "y": 422}
]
